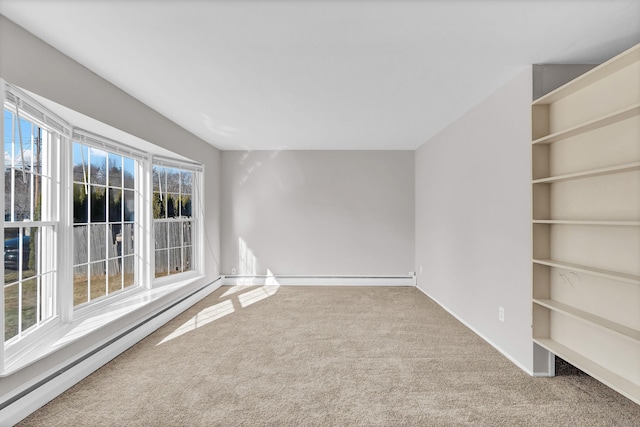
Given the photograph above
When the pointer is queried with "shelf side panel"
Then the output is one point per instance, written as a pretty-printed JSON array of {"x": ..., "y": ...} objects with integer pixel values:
[
  {"x": 612, "y": 145},
  {"x": 611, "y": 351},
  {"x": 609, "y": 248},
  {"x": 613, "y": 197},
  {"x": 614, "y": 92},
  {"x": 610, "y": 299},
  {"x": 539, "y": 121}
]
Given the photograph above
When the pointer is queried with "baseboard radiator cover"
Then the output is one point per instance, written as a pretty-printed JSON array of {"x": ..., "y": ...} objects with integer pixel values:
[
  {"x": 309, "y": 280},
  {"x": 18, "y": 407}
]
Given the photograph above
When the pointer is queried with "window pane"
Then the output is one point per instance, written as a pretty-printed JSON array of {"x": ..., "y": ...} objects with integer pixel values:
[
  {"x": 28, "y": 251},
  {"x": 98, "y": 242},
  {"x": 186, "y": 206},
  {"x": 129, "y": 205},
  {"x": 29, "y": 303},
  {"x": 21, "y": 195},
  {"x": 159, "y": 179},
  {"x": 98, "y": 275},
  {"x": 162, "y": 263},
  {"x": 129, "y": 173},
  {"x": 173, "y": 181},
  {"x": 80, "y": 285},
  {"x": 127, "y": 243},
  {"x": 187, "y": 182},
  {"x": 31, "y": 252},
  {"x": 173, "y": 209},
  {"x": 80, "y": 241},
  {"x": 37, "y": 198},
  {"x": 175, "y": 261},
  {"x": 48, "y": 304},
  {"x": 115, "y": 205},
  {"x": 8, "y": 143},
  {"x": 98, "y": 166},
  {"x": 12, "y": 253},
  {"x": 11, "y": 298},
  {"x": 80, "y": 165},
  {"x": 115, "y": 241},
  {"x": 98, "y": 204},
  {"x": 115, "y": 170},
  {"x": 175, "y": 238},
  {"x": 159, "y": 206},
  {"x": 160, "y": 231},
  {"x": 187, "y": 254},
  {"x": 115, "y": 275},
  {"x": 80, "y": 203},
  {"x": 128, "y": 266},
  {"x": 186, "y": 230},
  {"x": 38, "y": 147}
]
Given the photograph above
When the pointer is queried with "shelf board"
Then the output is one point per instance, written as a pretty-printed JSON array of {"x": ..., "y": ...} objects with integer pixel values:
[
  {"x": 611, "y": 379},
  {"x": 584, "y": 316},
  {"x": 623, "y": 277},
  {"x": 586, "y": 222},
  {"x": 617, "y": 116},
  {"x": 627, "y": 167},
  {"x": 603, "y": 70}
]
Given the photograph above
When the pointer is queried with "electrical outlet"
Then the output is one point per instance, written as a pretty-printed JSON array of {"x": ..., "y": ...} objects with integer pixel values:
[
  {"x": 501, "y": 314},
  {"x": 233, "y": 271}
]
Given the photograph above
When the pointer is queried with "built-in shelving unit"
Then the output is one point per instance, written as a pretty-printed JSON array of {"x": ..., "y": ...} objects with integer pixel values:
[{"x": 586, "y": 222}]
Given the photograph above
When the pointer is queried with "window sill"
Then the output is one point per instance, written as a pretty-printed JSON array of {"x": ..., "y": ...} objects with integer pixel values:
[{"x": 139, "y": 303}]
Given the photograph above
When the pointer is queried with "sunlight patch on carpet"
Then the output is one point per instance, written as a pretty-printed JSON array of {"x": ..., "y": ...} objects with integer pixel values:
[{"x": 204, "y": 317}]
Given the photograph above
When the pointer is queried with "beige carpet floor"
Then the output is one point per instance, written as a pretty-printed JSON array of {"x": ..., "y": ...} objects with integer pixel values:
[{"x": 325, "y": 356}]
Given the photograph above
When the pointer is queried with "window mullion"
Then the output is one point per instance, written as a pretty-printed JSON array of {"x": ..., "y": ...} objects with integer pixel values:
[
  {"x": 13, "y": 167},
  {"x": 65, "y": 228},
  {"x": 2, "y": 207},
  {"x": 144, "y": 227}
]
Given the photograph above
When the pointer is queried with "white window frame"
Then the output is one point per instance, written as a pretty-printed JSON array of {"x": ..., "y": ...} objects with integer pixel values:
[
  {"x": 11, "y": 353},
  {"x": 109, "y": 146},
  {"x": 195, "y": 219},
  {"x": 58, "y": 130}
]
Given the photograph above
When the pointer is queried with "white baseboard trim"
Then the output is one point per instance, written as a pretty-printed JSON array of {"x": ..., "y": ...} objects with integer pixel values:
[
  {"x": 67, "y": 377},
  {"x": 475, "y": 331},
  {"x": 290, "y": 280}
]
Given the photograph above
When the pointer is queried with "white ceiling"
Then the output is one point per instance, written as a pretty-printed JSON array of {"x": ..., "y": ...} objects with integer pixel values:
[{"x": 323, "y": 74}]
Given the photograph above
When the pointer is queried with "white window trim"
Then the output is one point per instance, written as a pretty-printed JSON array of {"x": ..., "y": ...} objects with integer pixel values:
[
  {"x": 197, "y": 215},
  {"x": 39, "y": 342},
  {"x": 92, "y": 140},
  {"x": 41, "y": 117}
]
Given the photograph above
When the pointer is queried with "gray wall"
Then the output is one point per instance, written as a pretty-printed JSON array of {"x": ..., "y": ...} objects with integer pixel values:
[
  {"x": 548, "y": 77},
  {"x": 318, "y": 212},
  {"x": 473, "y": 218},
  {"x": 30, "y": 63}
]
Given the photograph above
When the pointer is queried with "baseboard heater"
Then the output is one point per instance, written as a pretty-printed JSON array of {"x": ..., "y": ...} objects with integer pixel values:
[
  {"x": 94, "y": 359},
  {"x": 308, "y": 280}
]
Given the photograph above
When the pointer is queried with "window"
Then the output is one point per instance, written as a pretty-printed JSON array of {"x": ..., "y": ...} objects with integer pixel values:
[
  {"x": 81, "y": 214},
  {"x": 172, "y": 220},
  {"x": 103, "y": 223},
  {"x": 30, "y": 184}
]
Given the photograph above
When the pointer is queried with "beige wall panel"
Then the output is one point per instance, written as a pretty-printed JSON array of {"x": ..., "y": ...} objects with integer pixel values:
[
  {"x": 614, "y": 352},
  {"x": 610, "y": 299},
  {"x": 611, "y": 145},
  {"x": 542, "y": 326},
  {"x": 540, "y": 121},
  {"x": 614, "y": 197},
  {"x": 606, "y": 247},
  {"x": 610, "y": 94}
]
